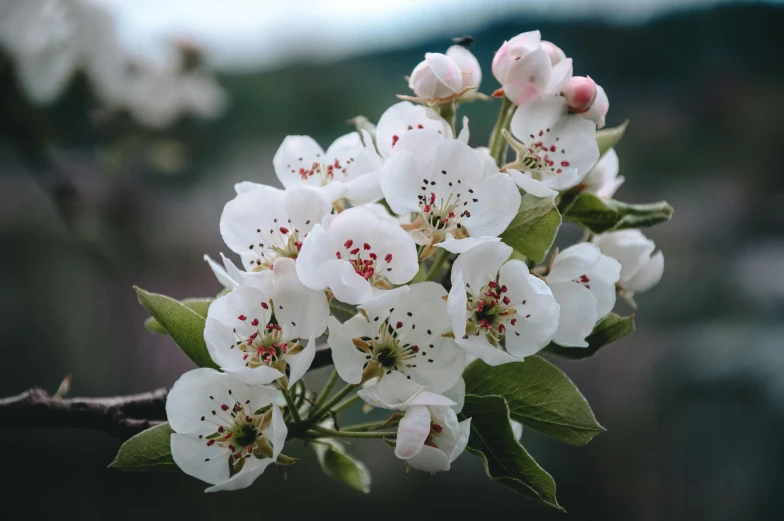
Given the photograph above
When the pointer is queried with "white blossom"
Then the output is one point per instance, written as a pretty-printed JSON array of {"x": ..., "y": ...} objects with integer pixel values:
[
  {"x": 641, "y": 269},
  {"x": 429, "y": 436},
  {"x": 582, "y": 281},
  {"x": 603, "y": 179},
  {"x": 347, "y": 167},
  {"x": 254, "y": 335},
  {"x": 554, "y": 147},
  {"x": 525, "y": 69},
  {"x": 498, "y": 310},
  {"x": 263, "y": 223},
  {"x": 449, "y": 187},
  {"x": 355, "y": 254},
  {"x": 400, "y": 332},
  {"x": 226, "y": 432}
]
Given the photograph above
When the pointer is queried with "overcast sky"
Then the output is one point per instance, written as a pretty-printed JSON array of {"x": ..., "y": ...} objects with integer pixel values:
[{"x": 256, "y": 34}]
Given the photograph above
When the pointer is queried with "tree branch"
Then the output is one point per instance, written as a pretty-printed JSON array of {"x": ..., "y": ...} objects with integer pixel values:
[{"x": 120, "y": 416}]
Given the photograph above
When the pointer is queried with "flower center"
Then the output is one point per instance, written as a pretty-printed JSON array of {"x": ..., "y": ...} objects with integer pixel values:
[
  {"x": 440, "y": 216},
  {"x": 490, "y": 313},
  {"x": 280, "y": 242},
  {"x": 540, "y": 155},
  {"x": 266, "y": 346},
  {"x": 240, "y": 430},
  {"x": 323, "y": 173},
  {"x": 366, "y": 262},
  {"x": 390, "y": 350},
  {"x": 435, "y": 432}
]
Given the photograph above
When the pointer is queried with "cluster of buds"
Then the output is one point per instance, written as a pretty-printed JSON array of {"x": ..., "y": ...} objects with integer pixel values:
[{"x": 400, "y": 244}]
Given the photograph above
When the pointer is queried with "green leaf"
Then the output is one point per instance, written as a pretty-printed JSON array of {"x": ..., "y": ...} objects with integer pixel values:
[
  {"x": 610, "y": 329},
  {"x": 185, "y": 326},
  {"x": 539, "y": 395},
  {"x": 338, "y": 465},
  {"x": 607, "y": 215},
  {"x": 504, "y": 458},
  {"x": 199, "y": 305},
  {"x": 534, "y": 228},
  {"x": 148, "y": 450},
  {"x": 609, "y": 137}
]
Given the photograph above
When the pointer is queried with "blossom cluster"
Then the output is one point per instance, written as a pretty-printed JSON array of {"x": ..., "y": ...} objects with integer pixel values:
[{"x": 391, "y": 243}]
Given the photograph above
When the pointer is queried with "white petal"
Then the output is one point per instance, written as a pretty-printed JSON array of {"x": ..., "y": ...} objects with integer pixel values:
[
  {"x": 345, "y": 283},
  {"x": 261, "y": 375},
  {"x": 647, "y": 276},
  {"x": 315, "y": 252},
  {"x": 456, "y": 304},
  {"x": 277, "y": 432},
  {"x": 195, "y": 458},
  {"x": 479, "y": 347},
  {"x": 294, "y": 153},
  {"x": 578, "y": 313},
  {"x": 531, "y": 185},
  {"x": 429, "y": 459},
  {"x": 494, "y": 204},
  {"x": 403, "y": 118},
  {"x": 301, "y": 312},
  {"x": 469, "y": 65},
  {"x": 413, "y": 430},
  {"x": 252, "y": 469},
  {"x": 457, "y": 394},
  {"x": 400, "y": 182},
  {"x": 528, "y": 76},
  {"x": 260, "y": 280},
  {"x": 249, "y": 212},
  {"x": 349, "y": 361},
  {"x": 537, "y": 114},
  {"x": 480, "y": 265},
  {"x": 365, "y": 188},
  {"x": 559, "y": 75},
  {"x": 465, "y": 134},
  {"x": 220, "y": 273},
  {"x": 463, "y": 245},
  {"x": 300, "y": 363},
  {"x": 573, "y": 262},
  {"x": 603, "y": 277},
  {"x": 447, "y": 72}
]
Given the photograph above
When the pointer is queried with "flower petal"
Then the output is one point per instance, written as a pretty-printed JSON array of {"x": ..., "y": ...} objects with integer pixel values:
[
  {"x": 574, "y": 261},
  {"x": 578, "y": 313},
  {"x": 413, "y": 430}
]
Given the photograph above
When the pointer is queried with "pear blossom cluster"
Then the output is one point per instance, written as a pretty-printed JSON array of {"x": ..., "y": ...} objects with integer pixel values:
[{"x": 388, "y": 248}]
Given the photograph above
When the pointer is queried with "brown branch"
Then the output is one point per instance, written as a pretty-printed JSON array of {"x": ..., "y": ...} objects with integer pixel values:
[{"x": 120, "y": 416}]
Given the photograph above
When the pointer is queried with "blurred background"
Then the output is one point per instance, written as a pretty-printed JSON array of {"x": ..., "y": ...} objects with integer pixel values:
[{"x": 124, "y": 125}]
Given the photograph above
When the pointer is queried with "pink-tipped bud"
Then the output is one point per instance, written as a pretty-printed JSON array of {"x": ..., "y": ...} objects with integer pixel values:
[
  {"x": 555, "y": 52},
  {"x": 437, "y": 77},
  {"x": 580, "y": 93},
  {"x": 598, "y": 109}
]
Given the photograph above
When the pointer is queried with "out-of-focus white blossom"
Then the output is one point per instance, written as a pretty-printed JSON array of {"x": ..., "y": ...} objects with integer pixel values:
[{"x": 641, "y": 269}]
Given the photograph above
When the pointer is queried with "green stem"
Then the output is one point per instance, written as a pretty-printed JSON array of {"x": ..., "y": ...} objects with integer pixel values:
[
  {"x": 322, "y": 411},
  {"x": 497, "y": 142},
  {"x": 303, "y": 391},
  {"x": 343, "y": 434},
  {"x": 436, "y": 267},
  {"x": 365, "y": 427},
  {"x": 291, "y": 406},
  {"x": 331, "y": 381},
  {"x": 346, "y": 403},
  {"x": 449, "y": 113}
]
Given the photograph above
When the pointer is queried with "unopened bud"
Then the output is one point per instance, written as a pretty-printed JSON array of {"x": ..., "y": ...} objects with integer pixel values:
[
  {"x": 598, "y": 109},
  {"x": 437, "y": 77},
  {"x": 555, "y": 52},
  {"x": 580, "y": 93},
  {"x": 469, "y": 66}
]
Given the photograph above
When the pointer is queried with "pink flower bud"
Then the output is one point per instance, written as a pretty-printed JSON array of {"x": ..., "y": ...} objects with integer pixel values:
[
  {"x": 555, "y": 52},
  {"x": 469, "y": 65},
  {"x": 598, "y": 109},
  {"x": 437, "y": 77},
  {"x": 580, "y": 93}
]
